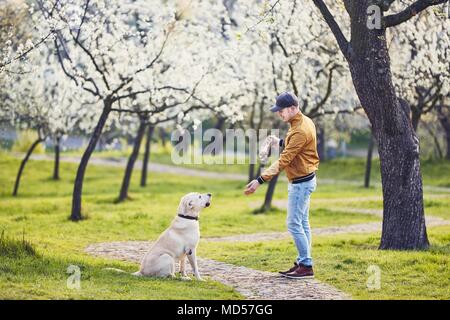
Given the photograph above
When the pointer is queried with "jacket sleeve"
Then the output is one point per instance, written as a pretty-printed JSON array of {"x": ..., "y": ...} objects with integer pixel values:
[{"x": 292, "y": 149}]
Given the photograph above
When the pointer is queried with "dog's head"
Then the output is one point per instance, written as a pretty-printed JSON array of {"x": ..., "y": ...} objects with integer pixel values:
[{"x": 192, "y": 203}]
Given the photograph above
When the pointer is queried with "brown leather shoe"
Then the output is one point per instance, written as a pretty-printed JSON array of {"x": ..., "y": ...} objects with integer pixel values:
[
  {"x": 302, "y": 272},
  {"x": 290, "y": 270}
]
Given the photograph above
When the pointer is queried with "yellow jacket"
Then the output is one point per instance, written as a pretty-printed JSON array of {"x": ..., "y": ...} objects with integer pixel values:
[{"x": 299, "y": 157}]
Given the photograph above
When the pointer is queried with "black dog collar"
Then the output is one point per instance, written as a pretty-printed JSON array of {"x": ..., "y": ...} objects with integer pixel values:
[{"x": 188, "y": 217}]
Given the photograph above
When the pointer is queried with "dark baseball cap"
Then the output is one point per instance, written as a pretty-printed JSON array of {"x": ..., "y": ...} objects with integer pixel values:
[{"x": 285, "y": 100}]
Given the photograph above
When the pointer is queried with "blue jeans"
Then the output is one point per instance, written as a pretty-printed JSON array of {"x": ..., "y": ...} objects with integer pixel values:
[{"x": 298, "y": 218}]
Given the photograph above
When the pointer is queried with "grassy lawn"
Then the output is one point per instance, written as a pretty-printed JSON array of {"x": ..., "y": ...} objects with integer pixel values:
[
  {"x": 343, "y": 261},
  {"x": 435, "y": 205},
  {"x": 41, "y": 210},
  {"x": 44, "y": 275},
  {"x": 435, "y": 173}
]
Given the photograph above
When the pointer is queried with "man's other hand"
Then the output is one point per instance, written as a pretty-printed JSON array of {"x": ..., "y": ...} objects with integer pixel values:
[{"x": 251, "y": 187}]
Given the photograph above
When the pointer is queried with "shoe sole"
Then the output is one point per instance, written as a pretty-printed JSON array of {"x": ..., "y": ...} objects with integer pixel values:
[{"x": 304, "y": 277}]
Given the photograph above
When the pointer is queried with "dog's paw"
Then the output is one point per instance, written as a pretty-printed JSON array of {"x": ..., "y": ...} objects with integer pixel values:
[{"x": 186, "y": 278}]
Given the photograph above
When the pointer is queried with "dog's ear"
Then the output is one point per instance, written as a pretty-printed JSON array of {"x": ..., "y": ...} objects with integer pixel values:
[
  {"x": 181, "y": 206},
  {"x": 185, "y": 205}
]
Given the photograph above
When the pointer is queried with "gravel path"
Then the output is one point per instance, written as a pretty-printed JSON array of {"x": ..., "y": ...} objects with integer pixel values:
[{"x": 252, "y": 284}]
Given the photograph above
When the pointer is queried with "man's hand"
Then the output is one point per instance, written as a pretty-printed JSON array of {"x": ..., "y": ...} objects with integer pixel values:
[
  {"x": 266, "y": 146},
  {"x": 251, "y": 187}
]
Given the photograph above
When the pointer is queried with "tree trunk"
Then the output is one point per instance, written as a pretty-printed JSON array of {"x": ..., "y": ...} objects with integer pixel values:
[
  {"x": 56, "y": 166},
  {"x": 403, "y": 214},
  {"x": 22, "y": 165},
  {"x": 150, "y": 131},
  {"x": 251, "y": 172},
  {"x": 220, "y": 123},
  {"x": 78, "y": 186},
  {"x": 440, "y": 155},
  {"x": 369, "y": 162},
  {"x": 258, "y": 172},
  {"x": 415, "y": 117},
  {"x": 220, "y": 126},
  {"x": 321, "y": 143},
  {"x": 162, "y": 135},
  {"x": 445, "y": 123},
  {"x": 131, "y": 161},
  {"x": 267, "y": 205}
]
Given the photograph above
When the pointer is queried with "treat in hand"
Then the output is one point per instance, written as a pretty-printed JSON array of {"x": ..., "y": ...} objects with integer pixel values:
[{"x": 264, "y": 151}]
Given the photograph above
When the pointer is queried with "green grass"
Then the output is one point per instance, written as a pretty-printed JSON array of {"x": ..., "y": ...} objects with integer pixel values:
[
  {"x": 435, "y": 205},
  {"x": 43, "y": 205},
  {"x": 46, "y": 275},
  {"x": 10, "y": 247},
  {"x": 434, "y": 172},
  {"x": 39, "y": 215},
  {"x": 343, "y": 261}
]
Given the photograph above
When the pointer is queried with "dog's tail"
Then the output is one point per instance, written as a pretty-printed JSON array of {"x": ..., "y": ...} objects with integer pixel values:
[{"x": 137, "y": 273}]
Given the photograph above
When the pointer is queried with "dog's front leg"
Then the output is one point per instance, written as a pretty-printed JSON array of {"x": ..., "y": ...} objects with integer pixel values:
[
  {"x": 184, "y": 275},
  {"x": 193, "y": 261}
]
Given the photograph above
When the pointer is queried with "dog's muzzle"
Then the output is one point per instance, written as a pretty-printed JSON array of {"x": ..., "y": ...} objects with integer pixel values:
[{"x": 207, "y": 204}]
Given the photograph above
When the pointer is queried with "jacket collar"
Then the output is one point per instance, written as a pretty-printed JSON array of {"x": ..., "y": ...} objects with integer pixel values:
[{"x": 296, "y": 120}]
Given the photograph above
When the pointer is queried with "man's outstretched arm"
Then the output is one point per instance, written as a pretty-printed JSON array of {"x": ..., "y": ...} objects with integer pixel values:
[{"x": 296, "y": 142}]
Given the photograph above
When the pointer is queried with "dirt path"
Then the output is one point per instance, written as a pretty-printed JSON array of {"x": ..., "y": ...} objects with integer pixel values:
[{"x": 252, "y": 284}]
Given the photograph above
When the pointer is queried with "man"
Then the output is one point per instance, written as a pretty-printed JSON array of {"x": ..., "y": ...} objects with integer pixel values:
[{"x": 300, "y": 160}]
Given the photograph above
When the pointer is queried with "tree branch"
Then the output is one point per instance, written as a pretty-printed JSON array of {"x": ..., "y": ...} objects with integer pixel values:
[
  {"x": 91, "y": 57},
  {"x": 415, "y": 8},
  {"x": 291, "y": 68},
  {"x": 343, "y": 43},
  {"x": 328, "y": 112},
  {"x": 327, "y": 93},
  {"x": 72, "y": 77},
  {"x": 82, "y": 20},
  {"x": 264, "y": 17},
  {"x": 20, "y": 56}
]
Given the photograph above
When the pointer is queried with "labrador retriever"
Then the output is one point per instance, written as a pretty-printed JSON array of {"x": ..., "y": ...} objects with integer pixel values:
[{"x": 178, "y": 241}]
